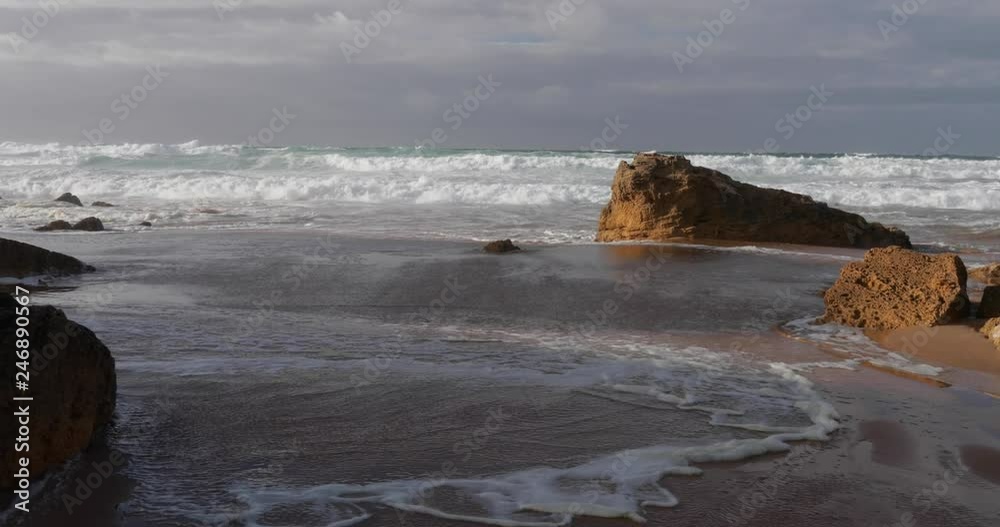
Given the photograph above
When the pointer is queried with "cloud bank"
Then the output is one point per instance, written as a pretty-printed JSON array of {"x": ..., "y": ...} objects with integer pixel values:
[{"x": 722, "y": 75}]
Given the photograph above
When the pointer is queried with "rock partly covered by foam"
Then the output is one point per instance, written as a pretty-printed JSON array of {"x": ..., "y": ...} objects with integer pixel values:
[
  {"x": 70, "y": 198},
  {"x": 897, "y": 288},
  {"x": 989, "y": 307},
  {"x": 58, "y": 225},
  {"x": 19, "y": 259},
  {"x": 660, "y": 197},
  {"x": 501, "y": 247},
  {"x": 91, "y": 224},
  {"x": 72, "y": 382},
  {"x": 987, "y": 274}
]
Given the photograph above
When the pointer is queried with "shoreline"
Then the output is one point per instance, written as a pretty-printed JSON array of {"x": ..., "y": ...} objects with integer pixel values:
[{"x": 971, "y": 358}]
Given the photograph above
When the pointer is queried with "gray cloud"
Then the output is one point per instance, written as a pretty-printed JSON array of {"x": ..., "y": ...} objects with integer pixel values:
[{"x": 558, "y": 85}]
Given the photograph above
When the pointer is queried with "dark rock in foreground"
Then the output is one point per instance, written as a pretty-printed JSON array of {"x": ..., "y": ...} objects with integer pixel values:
[
  {"x": 70, "y": 198},
  {"x": 897, "y": 288},
  {"x": 661, "y": 197},
  {"x": 990, "y": 305},
  {"x": 72, "y": 381},
  {"x": 501, "y": 247},
  {"x": 19, "y": 259},
  {"x": 89, "y": 224}
]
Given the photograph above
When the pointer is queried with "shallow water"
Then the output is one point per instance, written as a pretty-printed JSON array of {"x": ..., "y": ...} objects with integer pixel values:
[{"x": 292, "y": 379}]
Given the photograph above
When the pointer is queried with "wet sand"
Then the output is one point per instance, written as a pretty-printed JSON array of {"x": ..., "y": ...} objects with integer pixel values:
[
  {"x": 969, "y": 357},
  {"x": 983, "y": 461}
]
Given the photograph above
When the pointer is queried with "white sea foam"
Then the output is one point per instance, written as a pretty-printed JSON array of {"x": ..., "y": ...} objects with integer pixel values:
[
  {"x": 537, "y": 195},
  {"x": 852, "y": 342},
  {"x": 617, "y": 485},
  {"x": 766, "y": 407}
]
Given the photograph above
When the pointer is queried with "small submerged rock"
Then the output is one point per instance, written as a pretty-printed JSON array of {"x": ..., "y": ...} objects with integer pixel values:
[
  {"x": 101, "y": 204},
  {"x": 70, "y": 198},
  {"x": 58, "y": 225},
  {"x": 501, "y": 247},
  {"x": 145, "y": 224},
  {"x": 897, "y": 288}
]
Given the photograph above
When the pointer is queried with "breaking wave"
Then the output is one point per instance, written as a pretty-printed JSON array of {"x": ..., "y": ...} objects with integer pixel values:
[{"x": 560, "y": 191}]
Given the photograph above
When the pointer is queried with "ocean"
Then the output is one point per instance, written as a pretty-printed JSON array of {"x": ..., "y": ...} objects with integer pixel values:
[
  {"x": 533, "y": 196},
  {"x": 312, "y": 337}
]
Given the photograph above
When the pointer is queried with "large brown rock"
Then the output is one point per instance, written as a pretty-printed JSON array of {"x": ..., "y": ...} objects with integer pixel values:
[
  {"x": 897, "y": 288},
  {"x": 72, "y": 380},
  {"x": 661, "y": 197},
  {"x": 19, "y": 259},
  {"x": 987, "y": 274}
]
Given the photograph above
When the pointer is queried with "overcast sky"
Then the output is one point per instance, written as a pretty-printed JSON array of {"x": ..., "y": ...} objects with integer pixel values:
[{"x": 226, "y": 66}]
